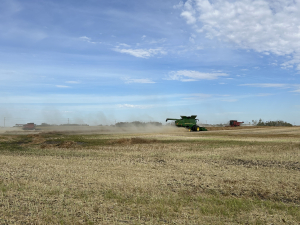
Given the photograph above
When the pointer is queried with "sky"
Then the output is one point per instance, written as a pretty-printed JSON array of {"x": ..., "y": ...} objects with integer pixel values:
[{"x": 100, "y": 62}]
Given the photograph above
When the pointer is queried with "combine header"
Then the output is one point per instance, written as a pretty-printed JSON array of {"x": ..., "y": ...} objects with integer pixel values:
[
  {"x": 235, "y": 123},
  {"x": 188, "y": 122}
]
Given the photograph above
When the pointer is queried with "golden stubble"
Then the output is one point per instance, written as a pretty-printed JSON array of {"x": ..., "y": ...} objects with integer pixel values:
[{"x": 141, "y": 178}]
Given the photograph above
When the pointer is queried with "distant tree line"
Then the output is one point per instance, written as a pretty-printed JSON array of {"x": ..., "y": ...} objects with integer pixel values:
[{"x": 275, "y": 123}]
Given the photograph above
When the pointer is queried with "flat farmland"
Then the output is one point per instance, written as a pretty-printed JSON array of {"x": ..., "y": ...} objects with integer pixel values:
[{"x": 156, "y": 176}]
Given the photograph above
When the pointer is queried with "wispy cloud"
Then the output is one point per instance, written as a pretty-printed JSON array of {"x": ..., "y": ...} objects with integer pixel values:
[
  {"x": 123, "y": 45},
  {"x": 158, "y": 41},
  {"x": 140, "y": 81},
  {"x": 141, "y": 53},
  {"x": 266, "y": 85},
  {"x": 62, "y": 86},
  {"x": 298, "y": 90},
  {"x": 179, "y": 5},
  {"x": 87, "y": 39},
  {"x": 190, "y": 75},
  {"x": 276, "y": 85},
  {"x": 198, "y": 96},
  {"x": 229, "y": 100},
  {"x": 264, "y": 94},
  {"x": 129, "y": 106},
  {"x": 72, "y": 82}
]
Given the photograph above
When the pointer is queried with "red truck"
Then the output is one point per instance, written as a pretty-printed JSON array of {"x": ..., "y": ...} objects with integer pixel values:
[{"x": 235, "y": 123}]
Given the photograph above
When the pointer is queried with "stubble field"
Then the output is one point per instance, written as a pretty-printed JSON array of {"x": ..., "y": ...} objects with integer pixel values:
[{"x": 222, "y": 176}]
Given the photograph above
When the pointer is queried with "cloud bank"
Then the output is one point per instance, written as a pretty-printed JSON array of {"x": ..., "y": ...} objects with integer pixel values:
[{"x": 265, "y": 26}]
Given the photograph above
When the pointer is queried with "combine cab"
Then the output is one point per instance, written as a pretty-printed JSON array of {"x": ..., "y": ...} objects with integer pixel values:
[
  {"x": 235, "y": 123},
  {"x": 29, "y": 126},
  {"x": 188, "y": 122}
]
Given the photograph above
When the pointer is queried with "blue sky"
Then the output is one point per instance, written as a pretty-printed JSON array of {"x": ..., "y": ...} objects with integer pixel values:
[{"x": 98, "y": 61}]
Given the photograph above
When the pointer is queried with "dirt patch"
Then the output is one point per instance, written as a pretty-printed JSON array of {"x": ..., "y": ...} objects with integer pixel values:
[
  {"x": 40, "y": 141},
  {"x": 62, "y": 144},
  {"x": 129, "y": 141}
]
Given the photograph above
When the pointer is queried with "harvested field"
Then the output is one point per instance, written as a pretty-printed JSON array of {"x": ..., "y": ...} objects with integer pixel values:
[{"x": 232, "y": 176}]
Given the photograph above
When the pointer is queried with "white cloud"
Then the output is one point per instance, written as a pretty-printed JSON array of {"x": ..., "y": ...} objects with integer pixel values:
[
  {"x": 189, "y": 12},
  {"x": 189, "y": 16},
  {"x": 192, "y": 38},
  {"x": 87, "y": 39},
  {"x": 62, "y": 86},
  {"x": 190, "y": 75},
  {"x": 179, "y": 5},
  {"x": 129, "y": 106},
  {"x": 264, "y": 26},
  {"x": 124, "y": 45},
  {"x": 140, "y": 81},
  {"x": 141, "y": 53}
]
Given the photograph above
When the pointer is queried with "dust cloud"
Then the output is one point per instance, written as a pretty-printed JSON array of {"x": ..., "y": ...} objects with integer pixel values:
[{"x": 93, "y": 129}]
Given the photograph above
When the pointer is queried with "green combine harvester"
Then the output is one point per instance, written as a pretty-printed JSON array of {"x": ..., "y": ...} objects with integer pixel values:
[{"x": 188, "y": 122}]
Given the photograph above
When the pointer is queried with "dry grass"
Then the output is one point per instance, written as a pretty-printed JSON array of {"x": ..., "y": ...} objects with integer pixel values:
[{"x": 215, "y": 177}]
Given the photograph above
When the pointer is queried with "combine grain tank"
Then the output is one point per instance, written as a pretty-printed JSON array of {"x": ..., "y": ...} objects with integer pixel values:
[
  {"x": 188, "y": 122},
  {"x": 29, "y": 126}
]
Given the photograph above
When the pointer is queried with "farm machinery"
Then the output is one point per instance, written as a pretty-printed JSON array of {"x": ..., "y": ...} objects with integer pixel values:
[
  {"x": 188, "y": 122},
  {"x": 235, "y": 123},
  {"x": 29, "y": 126}
]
